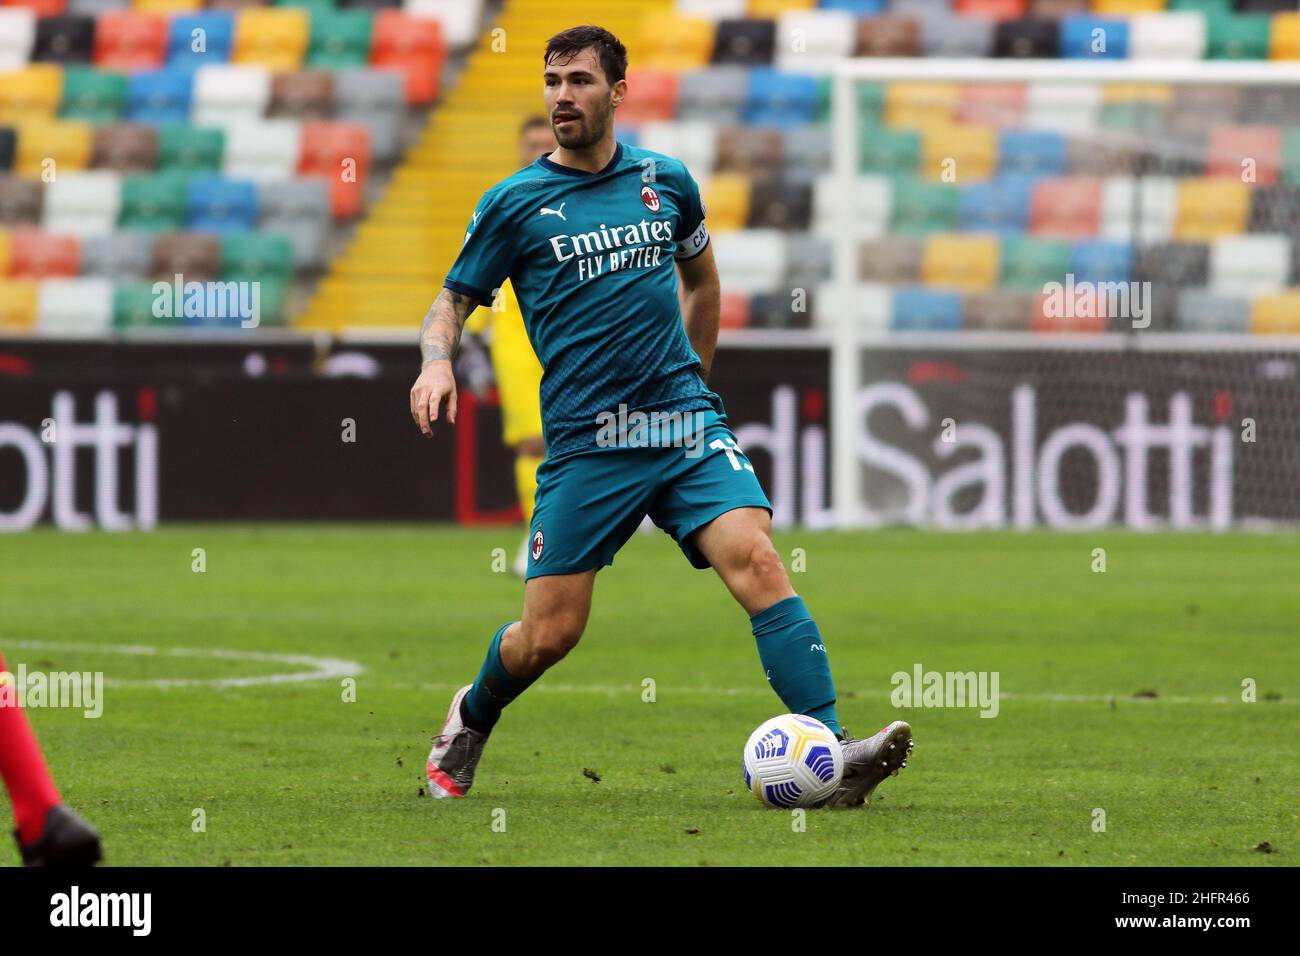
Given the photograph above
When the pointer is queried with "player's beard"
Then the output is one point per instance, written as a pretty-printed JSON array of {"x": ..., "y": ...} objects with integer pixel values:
[{"x": 591, "y": 129}]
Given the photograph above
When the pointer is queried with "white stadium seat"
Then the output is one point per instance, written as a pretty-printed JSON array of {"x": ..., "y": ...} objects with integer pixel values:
[
  {"x": 873, "y": 201},
  {"x": 1250, "y": 265},
  {"x": 870, "y": 306},
  {"x": 229, "y": 94},
  {"x": 1167, "y": 36},
  {"x": 74, "y": 307},
  {"x": 712, "y": 9},
  {"x": 1158, "y": 208},
  {"x": 750, "y": 260},
  {"x": 83, "y": 204},
  {"x": 460, "y": 19},
  {"x": 265, "y": 151},
  {"x": 693, "y": 142},
  {"x": 17, "y": 35},
  {"x": 810, "y": 41},
  {"x": 1071, "y": 108}
]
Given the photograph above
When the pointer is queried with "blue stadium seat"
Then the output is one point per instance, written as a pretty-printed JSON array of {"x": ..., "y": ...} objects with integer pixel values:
[
  {"x": 1000, "y": 205},
  {"x": 1102, "y": 260},
  {"x": 862, "y": 8},
  {"x": 1040, "y": 152},
  {"x": 218, "y": 34},
  {"x": 926, "y": 310},
  {"x": 215, "y": 204},
  {"x": 774, "y": 98},
  {"x": 1077, "y": 38},
  {"x": 159, "y": 97}
]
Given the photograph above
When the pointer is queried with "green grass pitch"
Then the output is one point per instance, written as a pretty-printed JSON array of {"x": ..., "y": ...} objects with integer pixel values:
[{"x": 291, "y": 773}]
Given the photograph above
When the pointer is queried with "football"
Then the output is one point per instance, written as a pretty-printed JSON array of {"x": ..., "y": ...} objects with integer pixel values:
[{"x": 793, "y": 761}]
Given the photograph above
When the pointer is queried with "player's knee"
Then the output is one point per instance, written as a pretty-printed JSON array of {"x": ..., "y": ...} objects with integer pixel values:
[
  {"x": 763, "y": 565},
  {"x": 551, "y": 639}
]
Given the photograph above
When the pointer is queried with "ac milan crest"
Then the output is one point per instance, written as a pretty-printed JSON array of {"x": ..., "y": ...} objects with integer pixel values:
[
  {"x": 650, "y": 198},
  {"x": 538, "y": 541}
]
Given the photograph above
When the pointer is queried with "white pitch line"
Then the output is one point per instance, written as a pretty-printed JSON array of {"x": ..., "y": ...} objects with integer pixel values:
[
  {"x": 321, "y": 668},
  {"x": 610, "y": 690}
]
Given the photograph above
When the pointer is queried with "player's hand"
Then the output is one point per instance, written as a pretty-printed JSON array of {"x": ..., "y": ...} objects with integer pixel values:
[{"x": 435, "y": 384}]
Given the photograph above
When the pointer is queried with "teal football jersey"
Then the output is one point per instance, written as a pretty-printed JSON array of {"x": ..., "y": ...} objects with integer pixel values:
[{"x": 591, "y": 259}]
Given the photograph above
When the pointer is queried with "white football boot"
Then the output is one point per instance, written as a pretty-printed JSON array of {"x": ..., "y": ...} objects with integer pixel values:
[{"x": 455, "y": 754}]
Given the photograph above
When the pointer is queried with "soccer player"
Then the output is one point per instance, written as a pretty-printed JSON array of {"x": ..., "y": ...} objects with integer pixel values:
[
  {"x": 518, "y": 373},
  {"x": 595, "y": 238},
  {"x": 48, "y": 833}
]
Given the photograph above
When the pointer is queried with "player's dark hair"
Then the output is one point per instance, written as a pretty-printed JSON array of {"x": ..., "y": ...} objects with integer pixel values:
[
  {"x": 533, "y": 122},
  {"x": 610, "y": 53}
]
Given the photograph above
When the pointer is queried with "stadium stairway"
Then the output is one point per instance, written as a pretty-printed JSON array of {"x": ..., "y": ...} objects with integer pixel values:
[{"x": 394, "y": 266}]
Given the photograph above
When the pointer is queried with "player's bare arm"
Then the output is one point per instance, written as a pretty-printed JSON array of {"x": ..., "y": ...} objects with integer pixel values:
[
  {"x": 701, "y": 305},
  {"x": 439, "y": 338}
]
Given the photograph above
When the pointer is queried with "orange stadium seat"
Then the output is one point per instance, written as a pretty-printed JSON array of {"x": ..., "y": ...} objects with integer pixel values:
[
  {"x": 41, "y": 255},
  {"x": 992, "y": 9},
  {"x": 42, "y": 8},
  {"x": 651, "y": 96},
  {"x": 734, "y": 309},
  {"x": 1068, "y": 206},
  {"x": 1251, "y": 154},
  {"x": 1044, "y": 317},
  {"x": 412, "y": 46},
  {"x": 995, "y": 104},
  {"x": 327, "y": 149},
  {"x": 130, "y": 40}
]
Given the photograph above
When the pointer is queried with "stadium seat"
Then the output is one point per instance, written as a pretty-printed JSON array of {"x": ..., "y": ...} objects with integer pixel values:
[
  {"x": 339, "y": 39},
  {"x": 18, "y": 302},
  {"x": 1250, "y": 265},
  {"x": 1238, "y": 152},
  {"x": 870, "y": 206},
  {"x": 774, "y": 98},
  {"x": 75, "y": 307},
  {"x": 198, "y": 39},
  {"x": 130, "y": 40},
  {"x": 733, "y": 309},
  {"x": 251, "y": 256},
  {"x": 1000, "y": 310},
  {"x": 808, "y": 261},
  {"x": 1208, "y": 208},
  {"x": 1172, "y": 263},
  {"x": 48, "y": 148},
  {"x": 887, "y": 36},
  {"x": 1274, "y": 209},
  {"x": 1167, "y": 36},
  {"x": 957, "y": 36},
  {"x": 21, "y": 201},
  {"x": 1028, "y": 263},
  {"x": 216, "y": 204},
  {"x": 921, "y": 207},
  {"x": 715, "y": 95},
  {"x": 959, "y": 153},
  {"x": 227, "y": 94},
  {"x": 1032, "y": 152},
  {"x": 883, "y": 150},
  {"x": 1070, "y": 108},
  {"x": 694, "y": 143},
  {"x": 64, "y": 39},
  {"x": 966, "y": 262},
  {"x": 1265, "y": 6},
  {"x": 92, "y": 95},
  {"x": 377, "y": 100},
  {"x": 308, "y": 95},
  {"x": 184, "y": 148},
  {"x": 459, "y": 19},
  {"x": 1202, "y": 310},
  {"x": 1026, "y": 39},
  {"x": 1102, "y": 260},
  {"x": 17, "y": 36},
  {"x": 1044, "y": 317},
  {"x": 36, "y": 254},
  {"x": 894, "y": 260},
  {"x": 925, "y": 310},
  {"x": 1085, "y": 37},
  {"x": 751, "y": 260},
  {"x": 125, "y": 148},
  {"x": 991, "y": 9},
  {"x": 747, "y": 41},
  {"x": 807, "y": 151},
  {"x": 153, "y": 203},
  {"x": 95, "y": 8},
  {"x": 120, "y": 255},
  {"x": 1066, "y": 206},
  {"x": 1276, "y": 314},
  {"x": 812, "y": 40},
  {"x": 262, "y": 151},
  {"x": 651, "y": 96},
  {"x": 916, "y": 105},
  {"x": 1284, "y": 37},
  {"x": 1243, "y": 37},
  {"x": 1000, "y": 105},
  {"x": 413, "y": 47},
  {"x": 676, "y": 43},
  {"x": 30, "y": 92},
  {"x": 753, "y": 150},
  {"x": 338, "y": 153},
  {"x": 778, "y": 204},
  {"x": 1001, "y": 205},
  {"x": 299, "y": 209},
  {"x": 1274, "y": 104},
  {"x": 858, "y": 8},
  {"x": 194, "y": 255},
  {"x": 133, "y": 307},
  {"x": 159, "y": 97},
  {"x": 83, "y": 204},
  {"x": 5, "y": 244},
  {"x": 167, "y": 8},
  {"x": 867, "y": 307},
  {"x": 273, "y": 37},
  {"x": 713, "y": 9},
  {"x": 1128, "y": 7}
]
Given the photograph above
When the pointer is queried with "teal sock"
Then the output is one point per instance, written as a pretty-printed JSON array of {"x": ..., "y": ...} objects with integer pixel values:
[
  {"x": 794, "y": 659},
  {"x": 493, "y": 688}
]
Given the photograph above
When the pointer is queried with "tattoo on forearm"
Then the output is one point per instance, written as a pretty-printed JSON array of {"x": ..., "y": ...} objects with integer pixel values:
[{"x": 440, "y": 333}]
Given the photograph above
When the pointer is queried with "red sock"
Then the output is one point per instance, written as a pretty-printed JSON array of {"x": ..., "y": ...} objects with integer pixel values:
[{"x": 23, "y": 768}]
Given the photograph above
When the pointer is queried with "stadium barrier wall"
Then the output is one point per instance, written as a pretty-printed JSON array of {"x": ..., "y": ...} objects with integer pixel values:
[{"x": 1000, "y": 431}]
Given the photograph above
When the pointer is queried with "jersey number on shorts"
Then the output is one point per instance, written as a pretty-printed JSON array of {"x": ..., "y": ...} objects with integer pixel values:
[{"x": 729, "y": 446}]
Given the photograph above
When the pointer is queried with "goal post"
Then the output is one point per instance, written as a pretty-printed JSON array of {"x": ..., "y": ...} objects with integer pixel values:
[{"x": 850, "y": 340}]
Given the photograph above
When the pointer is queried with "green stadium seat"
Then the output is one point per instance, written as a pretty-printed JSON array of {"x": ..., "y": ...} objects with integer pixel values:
[
  {"x": 1241, "y": 37},
  {"x": 1291, "y": 156},
  {"x": 153, "y": 203},
  {"x": 1030, "y": 263},
  {"x": 885, "y": 150},
  {"x": 191, "y": 149},
  {"x": 92, "y": 95},
  {"x": 133, "y": 307},
  {"x": 256, "y": 255},
  {"x": 339, "y": 39},
  {"x": 922, "y": 207}
]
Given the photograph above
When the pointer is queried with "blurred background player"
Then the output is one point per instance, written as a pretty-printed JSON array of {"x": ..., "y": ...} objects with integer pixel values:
[
  {"x": 517, "y": 371},
  {"x": 48, "y": 833}
]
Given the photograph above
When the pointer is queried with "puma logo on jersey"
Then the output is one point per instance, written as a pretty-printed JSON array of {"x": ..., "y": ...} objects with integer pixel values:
[
  {"x": 556, "y": 212},
  {"x": 475, "y": 217}
]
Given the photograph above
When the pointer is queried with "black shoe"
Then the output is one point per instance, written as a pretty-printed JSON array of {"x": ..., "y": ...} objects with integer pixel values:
[{"x": 67, "y": 840}]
